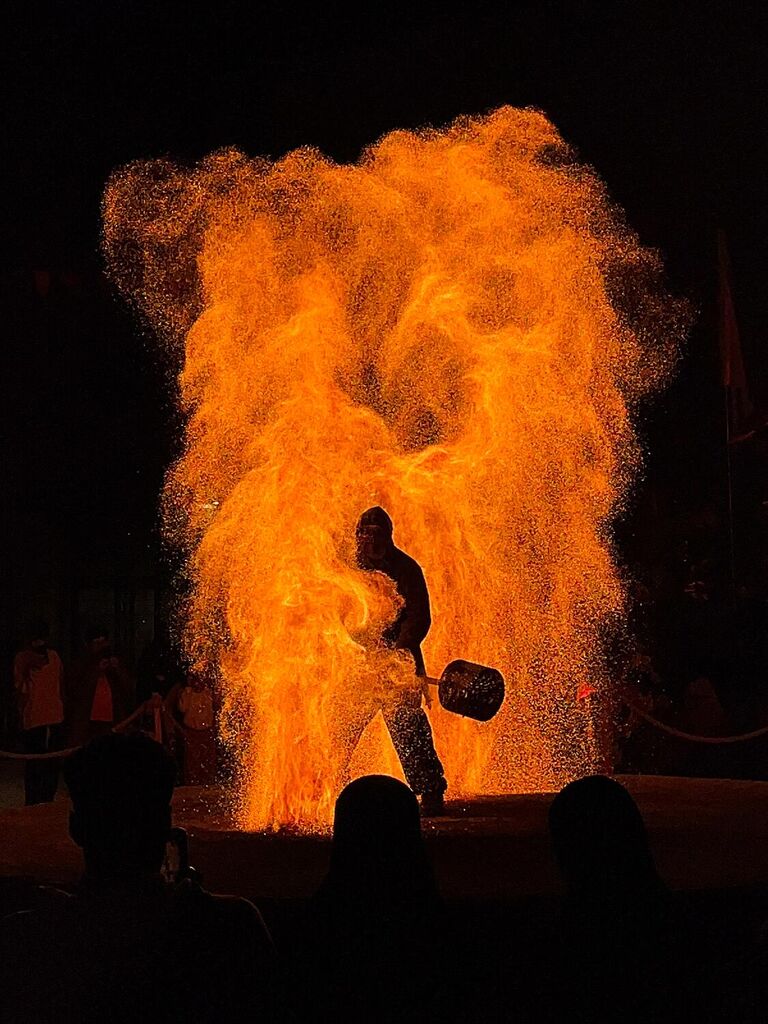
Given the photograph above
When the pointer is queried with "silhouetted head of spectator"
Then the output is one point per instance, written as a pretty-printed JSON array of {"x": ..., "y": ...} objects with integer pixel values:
[
  {"x": 121, "y": 789},
  {"x": 374, "y": 537},
  {"x": 599, "y": 839},
  {"x": 378, "y": 852}
]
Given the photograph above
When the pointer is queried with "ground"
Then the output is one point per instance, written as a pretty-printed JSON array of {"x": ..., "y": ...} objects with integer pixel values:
[{"x": 705, "y": 834}]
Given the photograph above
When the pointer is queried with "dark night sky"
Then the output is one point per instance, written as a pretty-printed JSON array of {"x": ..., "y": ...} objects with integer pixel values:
[{"x": 666, "y": 100}]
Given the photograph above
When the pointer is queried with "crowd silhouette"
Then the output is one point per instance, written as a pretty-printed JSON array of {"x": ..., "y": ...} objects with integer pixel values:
[
  {"x": 129, "y": 945},
  {"x": 372, "y": 938},
  {"x": 617, "y": 935},
  {"x": 376, "y": 942}
]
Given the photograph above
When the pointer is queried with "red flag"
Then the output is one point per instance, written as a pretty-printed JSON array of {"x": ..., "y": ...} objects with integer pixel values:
[
  {"x": 731, "y": 360},
  {"x": 585, "y": 690}
]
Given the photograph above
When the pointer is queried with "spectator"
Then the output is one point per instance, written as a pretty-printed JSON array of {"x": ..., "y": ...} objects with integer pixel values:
[
  {"x": 38, "y": 678},
  {"x": 193, "y": 703},
  {"x": 100, "y": 690},
  {"x": 370, "y": 948},
  {"x": 128, "y": 945},
  {"x": 158, "y": 670},
  {"x": 737, "y": 992},
  {"x": 616, "y": 957}
]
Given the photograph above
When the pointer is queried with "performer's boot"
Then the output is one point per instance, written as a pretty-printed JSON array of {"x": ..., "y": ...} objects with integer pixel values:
[{"x": 432, "y": 804}]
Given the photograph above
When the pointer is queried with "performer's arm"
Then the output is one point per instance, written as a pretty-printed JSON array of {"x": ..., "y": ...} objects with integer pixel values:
[{"x": 417, "y": 619}]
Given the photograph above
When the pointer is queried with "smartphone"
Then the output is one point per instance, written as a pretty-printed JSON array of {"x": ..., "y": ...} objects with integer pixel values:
[{"x": 176, "y": 861}]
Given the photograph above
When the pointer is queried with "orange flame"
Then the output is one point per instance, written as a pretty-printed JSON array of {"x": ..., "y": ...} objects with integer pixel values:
[{"x": 456, "y": 328}]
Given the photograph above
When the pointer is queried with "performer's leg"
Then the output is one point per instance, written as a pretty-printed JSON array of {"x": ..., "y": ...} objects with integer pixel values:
[{"x": 412, "y": 737}]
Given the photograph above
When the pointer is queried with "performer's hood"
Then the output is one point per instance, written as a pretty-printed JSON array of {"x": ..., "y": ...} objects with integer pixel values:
[{"x": 375, "y": 517}]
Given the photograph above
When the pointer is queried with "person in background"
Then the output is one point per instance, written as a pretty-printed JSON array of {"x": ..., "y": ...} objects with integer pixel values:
[
  {"x": 100, "y": 691},
  {"x": 109, "y": 704},
  {"x": 159, "y": 669},
  {"x": 96, "y": 641},
  {"x": 193, "y": 704},
  {"x": 131, "y": 945},
  {"x": 38, "y": 679}
]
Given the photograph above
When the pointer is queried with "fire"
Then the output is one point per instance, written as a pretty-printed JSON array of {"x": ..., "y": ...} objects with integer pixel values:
[{"x": 458, "y": 328}]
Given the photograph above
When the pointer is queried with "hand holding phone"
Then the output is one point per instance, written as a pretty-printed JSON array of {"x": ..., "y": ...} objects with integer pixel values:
[{"x": 175, "y": 867}]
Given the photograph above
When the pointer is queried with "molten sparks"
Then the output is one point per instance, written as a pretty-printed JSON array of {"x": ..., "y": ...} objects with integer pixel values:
[{"x": 455, "y": 328}]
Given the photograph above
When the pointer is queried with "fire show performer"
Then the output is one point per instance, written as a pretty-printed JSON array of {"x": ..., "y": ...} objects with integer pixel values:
[{"x": 406, "y": 720}]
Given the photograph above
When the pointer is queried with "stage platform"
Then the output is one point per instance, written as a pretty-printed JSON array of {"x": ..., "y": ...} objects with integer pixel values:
[{"x": 705, "y": 834}]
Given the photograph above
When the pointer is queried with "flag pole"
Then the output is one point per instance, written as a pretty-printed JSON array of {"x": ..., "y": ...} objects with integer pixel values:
[
  {"x": 734, "y": 382},
  {"x": 729, "y": 477}
]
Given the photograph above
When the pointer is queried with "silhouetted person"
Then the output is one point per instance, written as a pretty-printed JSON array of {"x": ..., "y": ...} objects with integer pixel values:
[
  {"x": 194, "y": 703},
  {"x": 129, "y": 945},
  {"x": 370, "y": 948},
  {"x": 616, "y": 959},
  {"x": 38, "y": 678},
  {"x": 99, "y": 690},
  {"x": 158, "y": 670},
  {"x": 406, "y": 720},
  {"x": 736, "y": 992}
]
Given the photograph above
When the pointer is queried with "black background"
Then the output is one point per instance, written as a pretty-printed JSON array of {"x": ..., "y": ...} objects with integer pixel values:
[{"x": 667, "y": 101}]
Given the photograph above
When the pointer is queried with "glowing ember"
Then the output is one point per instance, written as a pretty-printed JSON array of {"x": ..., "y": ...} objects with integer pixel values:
[{"x": 442, "y": 329}]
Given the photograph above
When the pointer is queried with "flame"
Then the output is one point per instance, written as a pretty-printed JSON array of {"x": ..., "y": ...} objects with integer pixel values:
[{"x": 458, "y": 328}]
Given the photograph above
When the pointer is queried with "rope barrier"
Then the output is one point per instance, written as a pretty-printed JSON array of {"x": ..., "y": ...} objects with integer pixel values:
[
  {"x": 173, "y": 723},
  {"x": 13, "y": 755},
  {"x": 691, "y": 737},
  {"x": 168, "y": 718}
]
